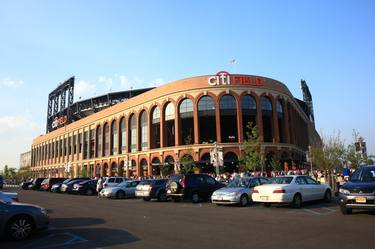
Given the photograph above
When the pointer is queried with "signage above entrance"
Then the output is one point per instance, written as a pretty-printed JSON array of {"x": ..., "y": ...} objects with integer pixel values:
[{"x": 224, "y": 78}]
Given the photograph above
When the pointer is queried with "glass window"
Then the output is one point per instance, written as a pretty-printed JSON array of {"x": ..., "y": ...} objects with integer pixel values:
[
  {"x": 155, "y": 128},
  {"x": 98, "y": 142},
  {"x": 111, "y": 180},
  {"x": 186, "y": 122},
  {"x": 267, "y": 119},
  {"x": 122, "y": 140},
  {"x": 119, "y": 180},
  {"x": 210, "y": 180},
  {"x": 281, "y": 180},
  {"x": 143, "y": 131},
  {"x": 133, "y": 134},
  {"x": 309, "y": 180},
  {"x": 206, "y": 120},
  {"x": 106, "y": 139},
  {"x": 300, "y": 180},
  {"x": 280, "y": 121},
  {"x": 114, "y": 141},
  {"x": 169, "y": 125},
  {"x": 228, "y": 119}
]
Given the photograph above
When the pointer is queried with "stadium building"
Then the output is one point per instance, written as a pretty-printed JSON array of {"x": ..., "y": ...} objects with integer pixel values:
[{"x": 139, "y": 132}]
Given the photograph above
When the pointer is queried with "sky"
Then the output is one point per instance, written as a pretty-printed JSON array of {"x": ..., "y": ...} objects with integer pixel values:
[{"x": 116, "y": 45}]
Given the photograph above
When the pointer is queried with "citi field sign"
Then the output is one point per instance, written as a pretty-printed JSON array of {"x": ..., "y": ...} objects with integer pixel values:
[{"x": 224, "y": 78}]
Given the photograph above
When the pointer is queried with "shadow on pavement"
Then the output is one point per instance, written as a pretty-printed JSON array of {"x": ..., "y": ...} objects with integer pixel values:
[{"x": 75, "y": 238}]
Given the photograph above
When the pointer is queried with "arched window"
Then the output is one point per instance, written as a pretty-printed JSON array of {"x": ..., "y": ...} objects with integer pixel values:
[
  {"x": 169, "y": 126},
  {"x": 156, "y": 165},
  {"x": 155, "y": 128},
  {"x": 114, "y": 142},
  {"x": 144, "y": 166},
  {"x": 228, "y": 119},
  {"x": 143, "y": 131},
  {"x": 280, "y": 120},
  {"x": 133, "y": 134},
  {"x": 206, "y": 120},
  {"x": 267, "y": 119},
  {"x": 186, "y": 122},
  {"x": 122, "y": 138},
  {"x": 249, "y": 113},
  {"x": 98, "y": 141},
  {"x": 231, "y": 162},
  {"x": 106, "y": 139}
]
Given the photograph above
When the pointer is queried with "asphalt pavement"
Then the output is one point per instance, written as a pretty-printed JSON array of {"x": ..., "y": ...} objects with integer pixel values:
[{"x": 91, "y": 222}]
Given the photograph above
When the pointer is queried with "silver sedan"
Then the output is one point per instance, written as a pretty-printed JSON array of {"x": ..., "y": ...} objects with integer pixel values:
[
  {"x": 238, "y": 191},
  {"x": 121, "y": 191}
]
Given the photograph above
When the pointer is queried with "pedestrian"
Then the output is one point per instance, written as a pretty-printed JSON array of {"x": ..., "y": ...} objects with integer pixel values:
[{"x": 99, "y": 185}]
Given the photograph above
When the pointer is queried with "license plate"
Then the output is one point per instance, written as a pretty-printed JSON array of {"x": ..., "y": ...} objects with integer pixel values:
[
  {"x": 264, "y": 198},
  {"x": 360, "y": 199}
]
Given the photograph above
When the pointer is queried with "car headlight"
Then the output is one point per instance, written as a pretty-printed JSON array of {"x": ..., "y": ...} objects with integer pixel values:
[
  {"x": 44, "y": 211},
  {"x": 344, "y": 191},
  {"x": 232, "y": 194}
]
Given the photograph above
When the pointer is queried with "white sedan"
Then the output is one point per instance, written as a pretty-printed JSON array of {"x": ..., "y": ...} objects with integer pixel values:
[
  {"x": 123, "y": 190},
  {"x": 292, "y": 190}
]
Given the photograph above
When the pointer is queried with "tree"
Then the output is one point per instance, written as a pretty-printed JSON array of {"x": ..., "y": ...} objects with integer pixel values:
[
  {"x": 187, "y": 163},
  {"x": 251, "y": 157},
  {"x": 354, "y": 158},
  {"x": 330, "y": 155}
]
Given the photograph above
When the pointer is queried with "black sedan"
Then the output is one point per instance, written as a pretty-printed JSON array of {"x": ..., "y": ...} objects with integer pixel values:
[
  {"x": 67, "y": 187},
  {"x": 87, "y": 187}
]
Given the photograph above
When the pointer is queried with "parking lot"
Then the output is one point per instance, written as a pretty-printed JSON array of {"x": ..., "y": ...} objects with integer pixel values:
[{"x": 91, "y": 222}]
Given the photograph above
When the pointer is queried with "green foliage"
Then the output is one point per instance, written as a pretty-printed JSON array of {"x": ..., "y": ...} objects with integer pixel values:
[
  {"x": 167, "y": 169},
  {"x": 275, "y": 164},
  {"x": 330, "y": 155},
  {"x": 187, "y": 164},
  {"x": 251, "y": 157}
]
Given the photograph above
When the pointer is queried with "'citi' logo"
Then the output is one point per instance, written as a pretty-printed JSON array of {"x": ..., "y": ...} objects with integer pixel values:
[{"x": 221, "y": 78}]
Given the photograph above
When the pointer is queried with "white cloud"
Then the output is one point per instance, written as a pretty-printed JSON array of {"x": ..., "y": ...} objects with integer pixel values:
[
  {"x": 84, "y": 89},
  {"x": 108, "y": 81},
  {"x": 7, "y": 82},
  {"x": 16, "y": 123}
]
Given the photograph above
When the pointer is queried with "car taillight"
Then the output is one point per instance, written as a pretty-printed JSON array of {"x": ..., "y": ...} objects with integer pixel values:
[
  {"x": 150, "y": 187},
  {"x": 183, "y": 181},
  {"x": 279, "y": 191},
  {"x": 256, "y": 191}
]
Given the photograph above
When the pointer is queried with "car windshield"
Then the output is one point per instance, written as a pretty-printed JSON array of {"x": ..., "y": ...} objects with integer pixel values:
[
  {"x": 124, "y": 184},
  {"x": 363, "y": 175},
  {"x": 281, "y": 180},
  {"x": 239, "y": 183},
  {"x": 66, "y": 181}
]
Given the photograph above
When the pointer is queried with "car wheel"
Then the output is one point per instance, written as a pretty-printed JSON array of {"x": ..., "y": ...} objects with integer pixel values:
[
  {"x": 20, "y": 228},
  {"x": 297, "y": 201},
  {"x": 244, "y": 200},
  {"x": 146, "y": 198},
  {"x": 194, "y": 197},
  {"x": 267, "y": 204},
  {"x": 162, "y": 196},
  {"x": 89, "y": 192},
  {"x": 327, "y": 196},
  {"x": 120, "y": 195},
  {"x": 345, "y": 210}
]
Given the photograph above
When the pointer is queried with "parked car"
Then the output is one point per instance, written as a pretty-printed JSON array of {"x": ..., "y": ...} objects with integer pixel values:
[
  {"x": 19, "y": 220},
  {"x": 36, "y": 184},
  {"x": 123, "y": 190},
  {"x": 113, "y": 181},
  {"x": 56, "y": 188},
  {"x": 1, "y": 182},
  {"x": 292, "y": 190},
  {"x": 359, "y": 191},
  {"x": 191, "y": 186},
  {"x": 25, "y": 185},
  {"x": 8, "y": 197},
  {"x": 67, "y": 187},
  {"x": 87, "y": 187},
  {"x": 238, "y": 191},
  {"x": 48, "y": 183},
  {"x": 152, "y": 189}
]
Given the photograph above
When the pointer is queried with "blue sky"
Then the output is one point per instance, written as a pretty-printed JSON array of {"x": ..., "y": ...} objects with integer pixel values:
[{"x": 115, "y": 45}]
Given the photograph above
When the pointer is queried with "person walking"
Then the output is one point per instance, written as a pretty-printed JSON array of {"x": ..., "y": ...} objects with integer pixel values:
[{"x": 99, "y": 185}]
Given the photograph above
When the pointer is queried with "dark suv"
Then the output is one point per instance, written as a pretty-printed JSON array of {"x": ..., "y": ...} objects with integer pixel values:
[
  {"x": 36, "y": 184},
  {"x": 359, "y": 191},
  {"x": 191, "y": 186}
]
